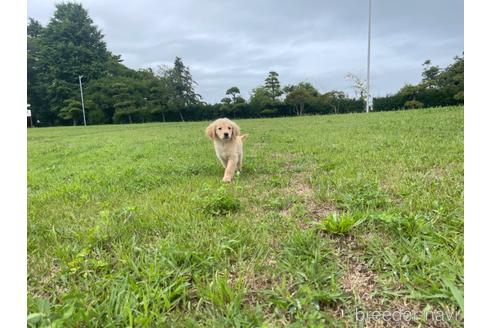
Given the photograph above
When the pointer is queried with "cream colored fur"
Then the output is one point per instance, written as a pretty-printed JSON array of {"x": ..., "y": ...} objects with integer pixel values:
[{"x": 228, "y": 143}]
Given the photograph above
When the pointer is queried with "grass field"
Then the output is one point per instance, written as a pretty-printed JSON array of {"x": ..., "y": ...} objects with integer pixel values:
[{"x": 130, "y": 225}]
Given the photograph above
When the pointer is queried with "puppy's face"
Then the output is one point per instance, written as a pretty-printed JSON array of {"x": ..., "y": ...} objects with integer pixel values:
[{"x": 223, "y": 129}]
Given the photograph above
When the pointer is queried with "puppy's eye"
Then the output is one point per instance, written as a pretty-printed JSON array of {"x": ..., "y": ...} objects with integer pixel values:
[
  {"x": 220, "y": 128},
  {"x": 229, "y": 128}
]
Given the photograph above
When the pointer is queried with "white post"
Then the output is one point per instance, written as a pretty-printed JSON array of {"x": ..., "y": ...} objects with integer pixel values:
[
  {"x": 29, "y": 114},
  {"x": 82, "y": 97},
  {"x": 368, "y": 96}
]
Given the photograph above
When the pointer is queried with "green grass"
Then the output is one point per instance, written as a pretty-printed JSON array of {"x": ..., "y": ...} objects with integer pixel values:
[{"x": 130, "y": 225}]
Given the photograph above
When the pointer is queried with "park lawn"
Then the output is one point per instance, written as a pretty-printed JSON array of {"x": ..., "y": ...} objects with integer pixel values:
[{"x": 130, "y": 225}]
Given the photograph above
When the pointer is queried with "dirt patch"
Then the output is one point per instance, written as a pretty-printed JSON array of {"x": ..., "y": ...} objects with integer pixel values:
[
  {"x": 255, "y": 280},
  {"x": 321, "y": 210},
  {"x": 288, "y": 158},
  {"x": 360, "y": 282},
  {"x": 358, "y": 279},
  {"x": 300, "y": 187},
  {"x": 46, "y": 282}
]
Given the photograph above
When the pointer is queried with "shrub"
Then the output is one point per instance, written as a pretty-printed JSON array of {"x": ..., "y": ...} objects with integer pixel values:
[{"x": 413, "y": 104}]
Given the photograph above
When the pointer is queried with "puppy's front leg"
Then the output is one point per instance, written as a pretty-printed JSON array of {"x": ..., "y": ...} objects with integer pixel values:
[{"x": 229, "y": 171}]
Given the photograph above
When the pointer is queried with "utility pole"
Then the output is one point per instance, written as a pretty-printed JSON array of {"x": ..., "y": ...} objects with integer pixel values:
[
  {"x": 82, "y": 97},
  {"x": 368, "y": 100}
]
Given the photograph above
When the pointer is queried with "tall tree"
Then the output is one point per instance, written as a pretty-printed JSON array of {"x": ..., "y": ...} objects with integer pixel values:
[
  {"x": 430, "y": 74},
  {"x": 74, "y": 45},
  {"x": 234, "y": 102},
  {"x": 36, "y": 89},
  {"x": 182, "y": 85},
  {"x": 272, "y": 86},
  {"x": 71, "y": 46},
  {"x": 233, "y": 92},
  {"x": 124, "y": 102},
  {"x": 100, "y": 93},
  {"x": 160, "y": 95}
]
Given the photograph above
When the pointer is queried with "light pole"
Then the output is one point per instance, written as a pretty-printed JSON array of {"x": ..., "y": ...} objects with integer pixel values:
[
  {"x": 82, "y": 97},
  {"x": 368, "y": 61}
]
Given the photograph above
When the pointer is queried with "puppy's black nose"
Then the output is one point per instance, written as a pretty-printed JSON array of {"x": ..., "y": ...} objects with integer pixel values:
[{"x": 226, "y": 135}]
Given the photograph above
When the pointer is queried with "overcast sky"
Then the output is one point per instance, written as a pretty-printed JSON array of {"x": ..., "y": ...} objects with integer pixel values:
[{"x": 236, "y": 43}]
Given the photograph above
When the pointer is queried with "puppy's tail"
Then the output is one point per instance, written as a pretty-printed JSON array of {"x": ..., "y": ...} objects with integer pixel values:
[{"x": 243, "y": 136}]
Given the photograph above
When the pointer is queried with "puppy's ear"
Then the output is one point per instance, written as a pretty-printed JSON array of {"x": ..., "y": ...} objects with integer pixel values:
[
  {"x": 236, "y": 132},
  {"x": 210, "y": 131}
]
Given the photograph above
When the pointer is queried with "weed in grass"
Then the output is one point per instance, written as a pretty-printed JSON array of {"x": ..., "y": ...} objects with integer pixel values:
[
  {"x": 222, "y": 294},
  {"x": 340, "y": 223},
  {"x": 43, "y": 317},
  {"x": 221, "y": 202}
]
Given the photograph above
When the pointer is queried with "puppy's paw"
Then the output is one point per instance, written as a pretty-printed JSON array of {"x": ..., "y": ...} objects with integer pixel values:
[{"x": 227, "y": 179}]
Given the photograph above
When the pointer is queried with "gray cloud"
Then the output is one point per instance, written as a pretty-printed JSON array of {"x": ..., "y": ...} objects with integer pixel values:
[{"x": 236, "y": 43}]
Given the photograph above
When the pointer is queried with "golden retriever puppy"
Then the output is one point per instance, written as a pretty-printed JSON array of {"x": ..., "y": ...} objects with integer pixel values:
[{"x": 228, "y": 143}]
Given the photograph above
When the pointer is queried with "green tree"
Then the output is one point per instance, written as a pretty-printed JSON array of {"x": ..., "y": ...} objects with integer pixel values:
[
  {"x": 430, "y": 74},
  {"x": 71, "y": 45},
  {"x": 333, "y": 99},
  {"x": 452, "y": 79},
  {"x": 95, "y": 116},
  {"x": 410, "y": 91},
  {"x": 272, "y": 86},
  {"x": 34, "y": 28},
  {"x": 226, "y": 101},
  {"x": 234, "y": 102},
  {"x": 438, "y": 87},
  {"x": 160, "y": 95},
  {"x": 182, "y": 87},
  {"x": 234, "y": 93},
  {"x": 100, "y": 93},
  {"x": 74, "y": 45},
  {"x": 260, "y": 101},
  {"x": 300, "y": 95},
  {"x": 36, "y": 89},
  {"x": 71, "y": 110},
  {"x": 124, "y": 103}
]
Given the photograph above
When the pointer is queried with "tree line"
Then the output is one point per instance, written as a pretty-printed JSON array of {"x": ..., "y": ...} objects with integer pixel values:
[{"x": 71, "y": 45}]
